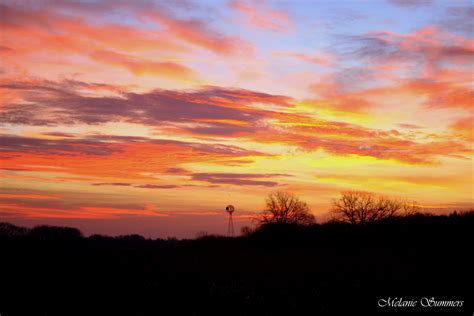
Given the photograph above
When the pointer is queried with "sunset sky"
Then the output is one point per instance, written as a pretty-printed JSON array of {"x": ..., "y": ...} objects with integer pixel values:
[{"x": 122, "y": 117}]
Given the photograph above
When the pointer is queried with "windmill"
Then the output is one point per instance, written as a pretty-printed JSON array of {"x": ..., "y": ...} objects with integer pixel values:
[{"x": 230, "y": 227}]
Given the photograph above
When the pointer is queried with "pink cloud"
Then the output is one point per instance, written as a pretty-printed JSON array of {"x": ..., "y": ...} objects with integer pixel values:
[
  {"x": 316, "y": 58},
  {"x": 258, "y": 16}
]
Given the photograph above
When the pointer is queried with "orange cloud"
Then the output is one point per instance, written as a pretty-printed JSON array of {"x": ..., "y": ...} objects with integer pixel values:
[
  {"x": 209, "y": 112},
  {"x": 139, "y": 66},
  {"x": 347, "y": 139},
  {"x": 27, "y": 196},
  {"x": 116, "y": 159},
  {"x": 85, "y": 212},
  {"x": 438, "y": 92},
  {"x": 465, "y": 128}
]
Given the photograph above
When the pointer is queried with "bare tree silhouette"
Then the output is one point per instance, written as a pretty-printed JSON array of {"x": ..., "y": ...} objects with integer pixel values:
[
  {"x": 360, "y": 208},
  {"x": 286, "y": 208}
]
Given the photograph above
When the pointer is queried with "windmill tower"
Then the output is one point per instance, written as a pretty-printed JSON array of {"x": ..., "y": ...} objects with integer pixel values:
[{"x": 230, "y": 227}]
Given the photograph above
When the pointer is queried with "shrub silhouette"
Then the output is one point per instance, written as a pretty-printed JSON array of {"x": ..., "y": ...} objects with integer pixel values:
[
  {"x": 286, "y": 208},
  {"x": 54, "y": 233},
  {"x": 277, "y": 269},
  {"x": 8, "y": 230}
]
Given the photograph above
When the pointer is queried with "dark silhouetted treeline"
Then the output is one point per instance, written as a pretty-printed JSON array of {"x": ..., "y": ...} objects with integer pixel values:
[{"x": 278, "y": 269}]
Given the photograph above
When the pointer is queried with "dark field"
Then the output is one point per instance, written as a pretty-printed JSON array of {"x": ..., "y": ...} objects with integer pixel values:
[{"x": 329, "y": 269}]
